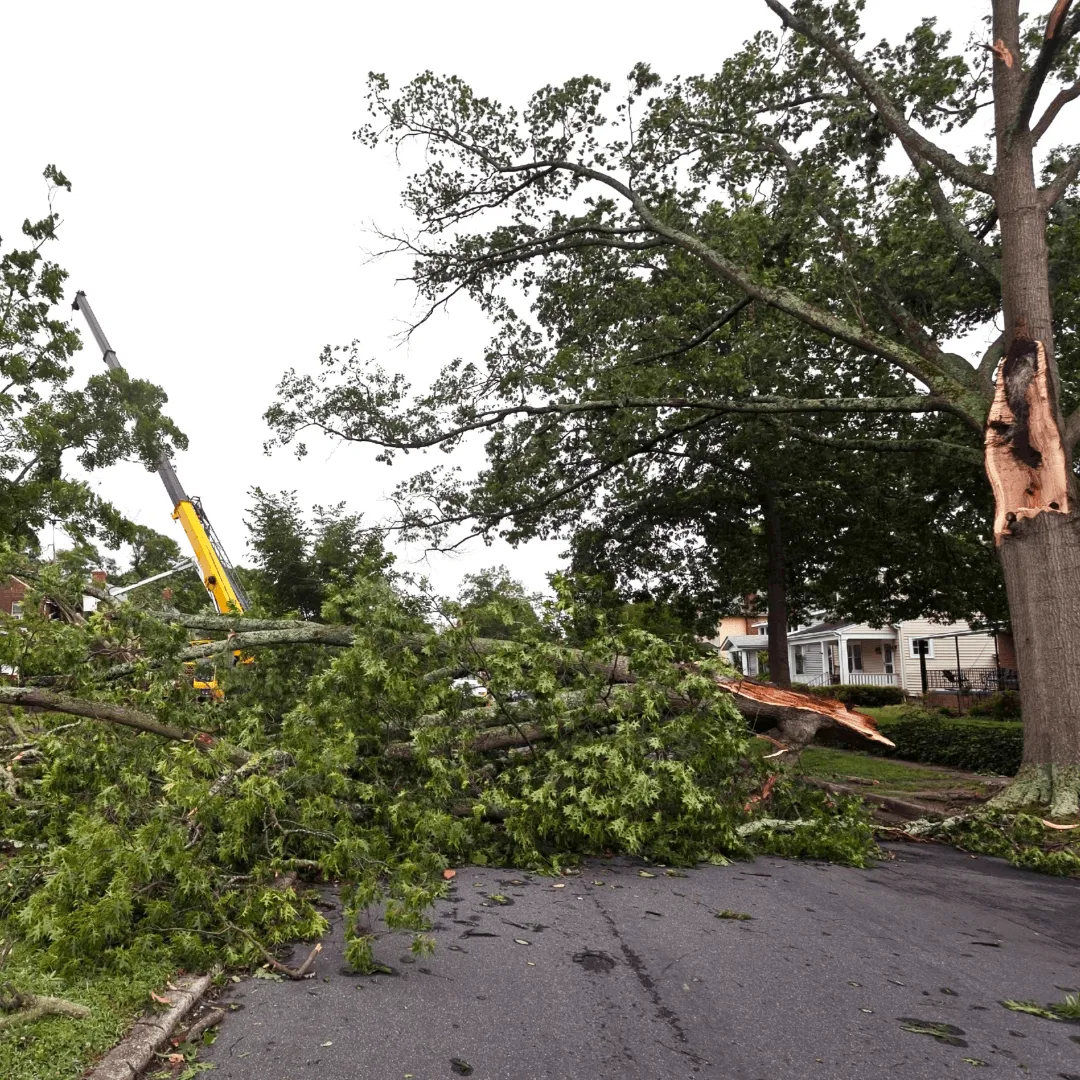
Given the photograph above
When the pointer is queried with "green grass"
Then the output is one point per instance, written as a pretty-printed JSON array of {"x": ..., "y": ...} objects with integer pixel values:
[
  {"x": 57, "y": 1048},
  {"x": 892, "y": 776},
  {"x": 887, "y": 712}
]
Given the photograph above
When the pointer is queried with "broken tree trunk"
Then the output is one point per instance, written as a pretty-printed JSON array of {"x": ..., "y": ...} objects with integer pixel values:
[
  {"x": 1038, "y": 535},
  {"x": 797, "y": 717},
  {"x": 1028, "y": 456}
]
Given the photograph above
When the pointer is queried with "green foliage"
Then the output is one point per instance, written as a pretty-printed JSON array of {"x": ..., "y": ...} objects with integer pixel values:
[
  {"x": 122, "y": 849},
  {"x": 661, "y": 380},
  {"x": 60, "y": 1048},
  {"x": 858, "y": 695},
  {"x": 297, "y": 562},
  {"x": 986, "y": 746},
  {"x": 1022, "y": 839},
  {"x": 45, "y": 421},
  {"x": 1003, "y": 706},
  {"x": 495, "y": 605}
]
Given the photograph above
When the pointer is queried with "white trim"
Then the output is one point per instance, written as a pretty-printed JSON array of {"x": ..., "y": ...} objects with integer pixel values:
[{"x": 911, "y": 647}]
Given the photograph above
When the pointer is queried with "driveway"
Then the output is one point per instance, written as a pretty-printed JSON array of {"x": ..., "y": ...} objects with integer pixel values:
[{"x": 619, "y": 975}]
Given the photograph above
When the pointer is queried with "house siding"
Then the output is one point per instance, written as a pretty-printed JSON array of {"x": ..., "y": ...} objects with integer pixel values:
[{"x": 976, "y": 650}]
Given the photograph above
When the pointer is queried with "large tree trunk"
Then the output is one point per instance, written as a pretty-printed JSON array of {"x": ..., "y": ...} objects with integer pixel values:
[
  {"x": 776, "y": 593},
  {"x": 1037, "y": 528},
  {"x": 1041, "y": 560}
]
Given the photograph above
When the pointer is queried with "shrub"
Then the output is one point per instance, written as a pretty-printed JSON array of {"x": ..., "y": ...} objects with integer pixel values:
[
  {"x": 986, "y": 746},
  {"x": 1004, "y": 706},
  {"x": 860, "y": 695}
]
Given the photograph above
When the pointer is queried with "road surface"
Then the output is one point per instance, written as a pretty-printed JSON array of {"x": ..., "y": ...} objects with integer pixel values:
[{"x": 618, "y": 975}]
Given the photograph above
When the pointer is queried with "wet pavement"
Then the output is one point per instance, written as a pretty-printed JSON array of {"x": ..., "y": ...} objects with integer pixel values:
[{"x": 619, "y": 975}]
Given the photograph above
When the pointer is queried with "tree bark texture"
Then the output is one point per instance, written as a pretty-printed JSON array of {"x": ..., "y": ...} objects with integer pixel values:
[
  {"x": 776, "y": 592},
  {"x": 1028, "y": 459},
  {"x": 1041, "y": 561}
]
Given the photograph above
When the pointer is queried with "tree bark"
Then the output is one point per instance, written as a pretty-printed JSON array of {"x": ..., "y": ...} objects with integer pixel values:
[
  {"x": 776, "y": 592},
  {"x": 1028, "y": 460},
  {"x": 1041, "y": 561}
]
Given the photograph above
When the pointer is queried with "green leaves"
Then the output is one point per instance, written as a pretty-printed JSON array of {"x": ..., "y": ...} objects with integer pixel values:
[{"x": 44, "y": 420}]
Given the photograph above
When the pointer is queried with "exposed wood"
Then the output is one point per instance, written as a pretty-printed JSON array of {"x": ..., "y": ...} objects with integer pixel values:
[
  {"x": 1025, "y": 457},
  {"x": 798, "y": 716}
]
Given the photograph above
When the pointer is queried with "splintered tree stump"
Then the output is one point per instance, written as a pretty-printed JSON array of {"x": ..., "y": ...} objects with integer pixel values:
[
  {"x": 1025, "y": 457},
  {"x": 797, "y": 717}
]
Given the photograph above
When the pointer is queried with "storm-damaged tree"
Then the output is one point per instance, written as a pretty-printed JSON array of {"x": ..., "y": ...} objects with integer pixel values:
[
  {"x": 789, "y": 142},
  {"x": 45, "y": 420}
]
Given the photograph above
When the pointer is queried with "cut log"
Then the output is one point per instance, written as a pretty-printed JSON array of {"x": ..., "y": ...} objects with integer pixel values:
[{"x": 1025, "y": 457}]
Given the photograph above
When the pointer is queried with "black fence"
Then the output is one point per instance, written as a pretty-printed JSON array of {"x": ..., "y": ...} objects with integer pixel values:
[{"x": 972, "y": 680}]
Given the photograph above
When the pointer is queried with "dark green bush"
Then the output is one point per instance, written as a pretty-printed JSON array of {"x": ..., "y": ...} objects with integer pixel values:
[
  {"x": 1004, "y": 706},
  {"x": 986, "y": 746},
  {"x": 859, "y": 695}
]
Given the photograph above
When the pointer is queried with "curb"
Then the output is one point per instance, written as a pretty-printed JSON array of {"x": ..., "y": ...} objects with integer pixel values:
[{"x": 127, "y": 1060}]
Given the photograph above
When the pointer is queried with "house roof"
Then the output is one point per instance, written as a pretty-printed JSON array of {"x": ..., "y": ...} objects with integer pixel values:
[
  {"x": 819, "y": 628},
  {"x": 745, "y": 641}
]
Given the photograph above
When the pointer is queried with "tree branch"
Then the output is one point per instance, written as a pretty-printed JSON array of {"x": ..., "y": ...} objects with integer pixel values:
[
  {"x": 954, "y": 450},
  {"x": 1070, "y": 93},
  {"x": 991, "y": 358},
  {"x": 785, "y": 299},
  {"x": 1061, "y": 183},
  {"x": 888, "y": 110},
  {"x": 977, "y": 252},
  {"x": 113, "y": 714},
  {"x": 305, "y": 634},
  {"x": 1058, "y": 32}
]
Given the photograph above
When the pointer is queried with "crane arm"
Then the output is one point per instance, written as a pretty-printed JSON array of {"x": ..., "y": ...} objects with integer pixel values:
[{"x": 218, "y": 573}]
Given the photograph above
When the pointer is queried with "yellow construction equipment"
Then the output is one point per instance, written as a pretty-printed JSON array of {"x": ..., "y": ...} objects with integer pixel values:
[{"x": 218, "y": 573}]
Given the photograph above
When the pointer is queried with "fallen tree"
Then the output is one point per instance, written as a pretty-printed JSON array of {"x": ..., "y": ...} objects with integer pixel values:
[
  {"x": 346, "y": 751},
  {"x": 797, "y": 717}
]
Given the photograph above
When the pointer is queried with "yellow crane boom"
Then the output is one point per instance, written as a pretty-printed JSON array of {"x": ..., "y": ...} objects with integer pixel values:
[{"x": 218, "y": 574}]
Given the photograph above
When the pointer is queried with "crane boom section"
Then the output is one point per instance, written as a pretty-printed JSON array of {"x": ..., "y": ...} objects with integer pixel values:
[{"x": 217, "y": 572}]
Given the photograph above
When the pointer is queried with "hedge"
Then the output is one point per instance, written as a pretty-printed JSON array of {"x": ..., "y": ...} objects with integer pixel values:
[
  {"x": 984, "y": 746},
  {"x": 857, "y": 694}
]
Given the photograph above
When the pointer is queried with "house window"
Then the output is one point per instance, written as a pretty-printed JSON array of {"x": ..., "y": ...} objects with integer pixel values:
[
  {"x": 854, "y": 656},
  {"x": 763, "y": 629},
  {"x": 16, "y": 608},
  {"x": 913, "y": 644},
  {"x": 887, "y": 659},
  {"x": 800, "y": 661}
]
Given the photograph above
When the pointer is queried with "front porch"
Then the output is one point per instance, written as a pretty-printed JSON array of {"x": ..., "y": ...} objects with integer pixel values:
[{"x": 857, "y": 656}]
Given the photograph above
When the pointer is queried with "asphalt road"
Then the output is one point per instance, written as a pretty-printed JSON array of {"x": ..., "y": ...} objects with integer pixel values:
[{"x": 617, "y": 975}]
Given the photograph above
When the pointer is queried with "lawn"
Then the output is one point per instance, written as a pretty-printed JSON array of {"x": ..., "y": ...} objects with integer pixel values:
[
  {"x": 57, "y": 1048},
  {"x": 887, "y": 775}
]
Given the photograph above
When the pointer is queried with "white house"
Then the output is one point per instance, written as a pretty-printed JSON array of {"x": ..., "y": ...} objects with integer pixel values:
[{"x": 957, "y": 657}]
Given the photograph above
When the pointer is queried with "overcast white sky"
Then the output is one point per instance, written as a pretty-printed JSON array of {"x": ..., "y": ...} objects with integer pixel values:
[{"x": 218, "y": 216}]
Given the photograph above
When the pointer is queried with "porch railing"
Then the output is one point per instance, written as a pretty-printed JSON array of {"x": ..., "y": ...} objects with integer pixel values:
[
  {"x": 972, "y": 680},
  {"x": 873, "y": 678},
  {"x": 858, "y": 678}
]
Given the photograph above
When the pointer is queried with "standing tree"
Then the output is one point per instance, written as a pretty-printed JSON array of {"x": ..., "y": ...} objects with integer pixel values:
[
  {"x": 299, "y": 563},
  {"x": 773, "y": 180},
  {"x": 44, "y": 420}
]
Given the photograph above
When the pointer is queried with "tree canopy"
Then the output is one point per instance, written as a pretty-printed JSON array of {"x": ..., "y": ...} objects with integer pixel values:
[{"x": 45, "y": 420}]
